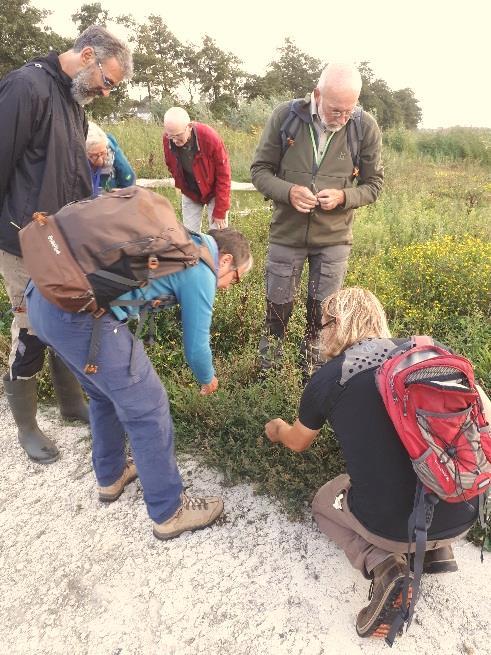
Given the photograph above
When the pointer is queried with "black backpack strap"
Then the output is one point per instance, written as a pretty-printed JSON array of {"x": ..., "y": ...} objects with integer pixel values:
[
  {"x": 355, "y": 137},
  {"x": 120, "y": 279},
  {"x": 418, "y": 525},
  {"x": 290, "y": 126},
  {"x": 90, "y": 367}
]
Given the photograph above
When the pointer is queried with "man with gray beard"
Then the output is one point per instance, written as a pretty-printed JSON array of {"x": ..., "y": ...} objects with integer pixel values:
[{"x": 43, "y": 166}]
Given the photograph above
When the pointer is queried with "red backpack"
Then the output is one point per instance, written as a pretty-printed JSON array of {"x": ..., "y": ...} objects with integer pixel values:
[{"x": 431, "y": 398}]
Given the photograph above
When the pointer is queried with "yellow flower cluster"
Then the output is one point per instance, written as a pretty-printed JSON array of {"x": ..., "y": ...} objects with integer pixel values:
[{"x": 424, "y": 284}]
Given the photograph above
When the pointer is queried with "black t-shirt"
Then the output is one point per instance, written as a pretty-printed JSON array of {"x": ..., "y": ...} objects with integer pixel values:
[{"x": 382, "y": 478}]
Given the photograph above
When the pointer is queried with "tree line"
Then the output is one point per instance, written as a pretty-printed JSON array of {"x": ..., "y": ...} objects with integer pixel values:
[{"x": 169, "y": 71}]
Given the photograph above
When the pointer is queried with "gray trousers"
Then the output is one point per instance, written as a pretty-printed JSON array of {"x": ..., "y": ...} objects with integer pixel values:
[
  {"x": 364, "y": 549},
  {"x": 284, "y": 266},
  {"x": 192, "y": 213}
]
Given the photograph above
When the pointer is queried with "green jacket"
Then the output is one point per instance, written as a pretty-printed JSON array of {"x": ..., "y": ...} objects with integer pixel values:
[{"x": 274, "y": 177}]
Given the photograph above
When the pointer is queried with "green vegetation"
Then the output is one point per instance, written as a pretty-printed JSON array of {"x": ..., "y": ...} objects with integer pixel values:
[{"x": 424, "y": 248}]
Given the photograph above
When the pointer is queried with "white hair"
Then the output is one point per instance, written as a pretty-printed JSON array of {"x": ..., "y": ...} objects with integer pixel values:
[
  {"x": 340, "y": 77},
  {"x": 95, "y": 136},
  {"x": 176, "y": 116}
]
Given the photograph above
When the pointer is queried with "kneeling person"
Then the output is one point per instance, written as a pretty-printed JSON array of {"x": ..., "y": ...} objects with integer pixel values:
[
  {"x": 126, "y": 394},
  {"x": 365, "y": 512}
]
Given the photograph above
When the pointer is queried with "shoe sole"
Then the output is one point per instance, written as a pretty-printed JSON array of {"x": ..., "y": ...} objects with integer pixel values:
[
  {"x": 44, "y": 461},
  {"x": 177, "y": 533},
  {"x": 389, "y": 607},
  {"x": 446, "y": 566},
  {"x": 110, "y": 498}
]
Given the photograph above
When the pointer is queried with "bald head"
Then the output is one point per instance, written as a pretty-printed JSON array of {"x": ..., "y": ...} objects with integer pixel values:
[
  {"x": 177, "y": 126},
  {"x": 337, "y": 93},
  {"x": 340, "y": 78}
]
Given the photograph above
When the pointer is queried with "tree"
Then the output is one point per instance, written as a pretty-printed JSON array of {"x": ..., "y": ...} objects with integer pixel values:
[
  {"x": 157, "y": 58},
  {"x": 294, "y": 74},
  {"x": 23, "y": 36},
  {"x": 411, "y": 111},
  {"x": 90, "y": 14},
  {"x": 216, "y": 72}
]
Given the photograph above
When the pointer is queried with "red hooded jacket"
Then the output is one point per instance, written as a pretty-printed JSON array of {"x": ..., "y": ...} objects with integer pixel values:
[{"x": 211, "y": 168}]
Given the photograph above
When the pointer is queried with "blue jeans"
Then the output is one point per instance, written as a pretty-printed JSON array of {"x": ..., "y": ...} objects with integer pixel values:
[{"x": 119, "y": 403}]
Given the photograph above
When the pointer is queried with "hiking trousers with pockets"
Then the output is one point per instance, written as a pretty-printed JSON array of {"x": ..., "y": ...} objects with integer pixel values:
[
  {"x": 364, "y": 549},
  {"x": 119, "y": 402}
]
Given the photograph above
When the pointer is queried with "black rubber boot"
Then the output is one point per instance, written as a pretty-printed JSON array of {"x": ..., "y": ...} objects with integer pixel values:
[
  {"x": 22, "y": 398},
  {"x": 68, "y": 391},
  {"x": 310, "y": 348},
  {"x": 270, "y": 345}
]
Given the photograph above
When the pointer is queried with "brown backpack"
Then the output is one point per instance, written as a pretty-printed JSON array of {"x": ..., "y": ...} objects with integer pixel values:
[{"x": 91, "y": 252}]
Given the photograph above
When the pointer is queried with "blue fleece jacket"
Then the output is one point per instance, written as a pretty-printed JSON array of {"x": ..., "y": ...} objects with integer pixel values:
[{"x": 193, "y": 289}]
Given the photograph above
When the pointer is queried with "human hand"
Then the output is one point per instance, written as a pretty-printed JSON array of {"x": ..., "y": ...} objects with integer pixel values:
[
  {"x": 302, "y": 199},
  {"x": 272, "y": 429},
  {"x": 208, "y": 389},
  {"x": 220, "y": 223},
  {"x": 331, "y": 198}
]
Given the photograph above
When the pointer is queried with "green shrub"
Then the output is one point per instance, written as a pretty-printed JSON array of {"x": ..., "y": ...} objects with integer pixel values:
[{"x": 425, "y": 286}]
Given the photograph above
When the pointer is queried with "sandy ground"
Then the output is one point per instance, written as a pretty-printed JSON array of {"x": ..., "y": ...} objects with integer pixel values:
[{"x": 80, "y": 577}]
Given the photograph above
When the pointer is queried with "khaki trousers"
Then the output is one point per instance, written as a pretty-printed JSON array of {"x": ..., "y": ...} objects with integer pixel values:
[
  {"x": 27, "y": 352},
  {"x": 364, "y": 549}
]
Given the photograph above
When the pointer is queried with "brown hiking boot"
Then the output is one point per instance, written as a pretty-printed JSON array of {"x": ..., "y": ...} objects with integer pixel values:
[
  {"x": 114, "y": 491},
  {"x": 385, "y": 597},
  {"x": 440, "y": 560},
  {"x": 193, "y": 514}
]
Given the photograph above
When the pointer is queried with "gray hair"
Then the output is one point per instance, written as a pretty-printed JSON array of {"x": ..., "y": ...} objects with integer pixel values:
[
  {"x": 95, "y": 136},
  {"x": 106, "y": 46},
  {"x": 233, "y": 242},
  {"x": 341, "y": 76}
]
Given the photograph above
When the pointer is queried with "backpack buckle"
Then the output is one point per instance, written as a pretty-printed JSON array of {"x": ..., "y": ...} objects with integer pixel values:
[
  {"x": 40, "y": 218},
  {"x": 356, "y": 172},
  {"x": 99, "y": 312}
]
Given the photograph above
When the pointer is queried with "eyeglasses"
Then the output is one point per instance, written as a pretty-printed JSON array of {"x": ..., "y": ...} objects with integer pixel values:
[
  {"x": 335, "y": 113},
  {"x": 97, "y": 155},
  {"x": 329, "y": 321},
  {"x": 108, "y": 83},
  {"x": 236, "y": 278},
  {"x": 176, "y": 136}
]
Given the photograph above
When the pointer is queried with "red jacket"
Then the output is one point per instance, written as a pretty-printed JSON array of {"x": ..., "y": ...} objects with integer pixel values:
[{"x": 211, "y": 168}]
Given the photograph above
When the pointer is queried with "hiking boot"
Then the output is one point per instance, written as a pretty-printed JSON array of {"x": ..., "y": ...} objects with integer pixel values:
[
  {"x": 270, "y": 352},
  {"x": 385, "y": 597},
  {"x": 22, "y": 399},
  {"x": 114, "y": 491},
  {"x": 440, "y": 560},
  {"x": 193, "y": 514}
]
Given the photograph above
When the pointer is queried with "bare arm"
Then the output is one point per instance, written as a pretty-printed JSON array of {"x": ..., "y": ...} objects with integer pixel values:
[{"x": 295, "y": 437}]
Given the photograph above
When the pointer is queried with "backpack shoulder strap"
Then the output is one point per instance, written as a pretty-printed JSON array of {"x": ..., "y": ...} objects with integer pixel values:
[
  {"x": 205, "y": 254},
  {"x": 355, "y": 136},
  {"x": 291, "y": 124}
]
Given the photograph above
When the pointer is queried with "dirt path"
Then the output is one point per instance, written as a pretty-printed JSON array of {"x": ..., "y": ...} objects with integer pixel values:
[{"x": 79, "y": 577}]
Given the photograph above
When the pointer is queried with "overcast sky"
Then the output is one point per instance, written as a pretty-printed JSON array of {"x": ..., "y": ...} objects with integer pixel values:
[{"x": 439, "y": 49}]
